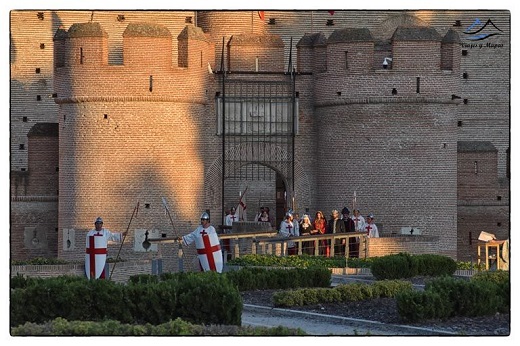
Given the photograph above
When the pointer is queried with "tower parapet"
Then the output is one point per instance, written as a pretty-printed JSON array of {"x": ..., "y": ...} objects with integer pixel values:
[
  {"x": 450, "y": 51},
  {"x": 408, "y": 64},
  {"x": 82, "y": 71},
  {"x": 312, "y": 53},
  {"x": 87, "y": 45},
  {"x": 193, "y": 48},
  {"x": 350, "y": 50},
  {"x": 250, "y": 52},
  {"x": 149, "y": 44},
  {"x": 416, "y": 48}
]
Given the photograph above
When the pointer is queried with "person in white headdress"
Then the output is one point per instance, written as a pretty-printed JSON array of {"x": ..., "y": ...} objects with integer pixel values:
[
  {"x": 102, "y": 237},
  {"x": 231, "y": 217},
  {"x": 359, "y": 220},
  {"x": 287, "y": 230},
  {"x": 371, "y": 227},
  {"x": 207, "y": 244}
]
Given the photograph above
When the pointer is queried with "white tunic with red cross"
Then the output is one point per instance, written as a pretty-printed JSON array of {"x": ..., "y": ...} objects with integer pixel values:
[
  {"x": 96, "y": 251},
  {"x": 287, "y": 229},
  {"x": 208, "y": 248},
  {"x": 230, "y": 219},
  {"x": 359, "y": 222},
  {"x": 371, "y": 230}
]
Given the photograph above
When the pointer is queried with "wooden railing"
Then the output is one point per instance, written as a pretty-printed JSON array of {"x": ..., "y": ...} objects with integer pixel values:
[{"x": 234, "y": 245}]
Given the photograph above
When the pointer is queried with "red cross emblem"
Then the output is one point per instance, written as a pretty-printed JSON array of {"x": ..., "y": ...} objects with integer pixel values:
[
  {"x": 368, "y": 228},
  {"x": 208, "y": 250},
  {"x": 92, "y": 252}
]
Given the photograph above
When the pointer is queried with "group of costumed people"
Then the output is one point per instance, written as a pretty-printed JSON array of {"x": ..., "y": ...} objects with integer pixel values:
[
  {"x": 290, "y": 227},
  {"x": 204, "y": 236},
  {"x": 206, "y": 240}
]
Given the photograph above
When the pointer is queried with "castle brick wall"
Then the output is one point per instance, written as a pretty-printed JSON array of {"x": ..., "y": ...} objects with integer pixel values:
[
  {"x": 108, "y": 107},
  {"x": 483, "y": 201},
  {"x": 350, "y": 58},
  {"x": 406, "y": 178},
  {"x": 415, "y": 245},
  {"x": 121, "y": 271},
  {"x": 416, "y": 56},
  {"x": 43, "y": 166},
  {"x": 34, "y": 227},
  {"x": 152, "y": 52}
]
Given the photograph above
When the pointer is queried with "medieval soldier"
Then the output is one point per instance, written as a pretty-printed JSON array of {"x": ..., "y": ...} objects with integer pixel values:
[
  {"x": 231, "y": 217},
  {"x": 96, "y": 253},
  {"x": 359, "y": 221},
  {"x": 207, "y": 244},
  {"x": 371, "y": 227},
  {"x": 287, "y": 230}
]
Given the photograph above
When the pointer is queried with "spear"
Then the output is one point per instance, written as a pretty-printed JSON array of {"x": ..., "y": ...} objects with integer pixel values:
[
  {"x": 167, "y": 210},
  {"x": 136, "y": 209}
]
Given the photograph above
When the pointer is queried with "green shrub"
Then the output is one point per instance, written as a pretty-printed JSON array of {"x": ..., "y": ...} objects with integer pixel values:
[
  {"x": 19, "y": 281},
  {"x": 40, "y": 261},
  {"x": 447, "y": 296},
  {"x": 434, "y": 265},
  {"x": 209, "y": 298},
  {"x": 414, "y": 306},
  {"x": 404, "y": 265},
  {"x": 247, "y": 278},
  {"x": 177, "y": 327},
  {"x": 392, "y": 267},
  {"x": 390, "y": 288},
  {"x": 340, "y": 293},
  {"x": 497, "y": 276},
  {"x": 197, "y": 297},
  {"x": 303, "y": 261},
  {"x": 143, "y": 279},
  {"x": 470, "y": 265}
]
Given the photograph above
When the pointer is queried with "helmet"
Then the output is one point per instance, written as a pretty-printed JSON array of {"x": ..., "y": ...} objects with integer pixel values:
[
  {"x": 98, "y": 220},
  {"x": 204, "y": 216},
  {"x": 370, "y": 216},
  {"x": 288, "y": 214}
]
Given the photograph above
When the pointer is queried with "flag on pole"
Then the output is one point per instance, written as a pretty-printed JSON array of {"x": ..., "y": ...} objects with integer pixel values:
[
  {"x": 166, "y": 210},
  {"x": 242, "y": 206}
]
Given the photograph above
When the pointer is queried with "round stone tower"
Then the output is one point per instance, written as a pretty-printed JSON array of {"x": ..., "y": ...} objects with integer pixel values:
[
  {"x": 130, "y": 134},
  {"x": 389, "y": 134}
]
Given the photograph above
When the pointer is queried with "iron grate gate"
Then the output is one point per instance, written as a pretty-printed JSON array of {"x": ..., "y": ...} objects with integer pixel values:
[{"x": 257, "y": 127}]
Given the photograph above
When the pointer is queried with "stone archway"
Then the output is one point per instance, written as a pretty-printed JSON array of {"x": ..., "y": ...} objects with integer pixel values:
[{"x": 213, "y": 181}]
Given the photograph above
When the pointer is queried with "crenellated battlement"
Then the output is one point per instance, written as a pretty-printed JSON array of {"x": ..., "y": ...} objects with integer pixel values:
[
  {"x": 82, "y": 69},
  {"x": 414, "y": 62}
]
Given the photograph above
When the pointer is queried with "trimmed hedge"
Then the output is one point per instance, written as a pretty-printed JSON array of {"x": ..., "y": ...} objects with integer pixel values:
[
  {"x": 177, "y": 327},
  {"x": 300, "y": 261},
  {"x": 404, "y": 265},
  {"x": 207, "y": 298},
  {"x": 447, "y": 297},
  {"x": 247, "y": 279},
  {"x": 341, "y": 293}
]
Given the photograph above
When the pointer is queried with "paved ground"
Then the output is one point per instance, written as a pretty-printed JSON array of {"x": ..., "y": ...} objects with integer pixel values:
[{"x": 320, "y": 324}]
